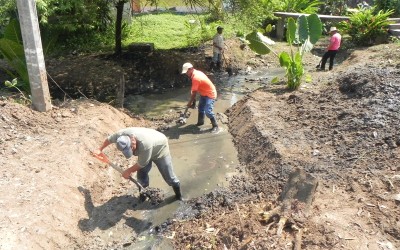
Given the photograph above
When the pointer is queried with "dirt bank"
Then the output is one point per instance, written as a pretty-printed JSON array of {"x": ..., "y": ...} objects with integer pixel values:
[
  {"x": 342, "y": 127},
  {"x": 47, "y": 170},
  {"x": 98, "y": 76}
]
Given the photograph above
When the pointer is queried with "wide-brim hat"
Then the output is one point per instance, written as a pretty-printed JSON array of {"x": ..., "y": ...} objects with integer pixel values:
[{"x": 333, "y": 29}]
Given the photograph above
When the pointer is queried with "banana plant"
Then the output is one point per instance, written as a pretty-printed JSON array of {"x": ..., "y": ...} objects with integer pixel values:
[{"x": 301, "y": 34}]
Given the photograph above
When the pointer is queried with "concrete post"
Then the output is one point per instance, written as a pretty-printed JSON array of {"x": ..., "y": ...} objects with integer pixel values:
[
  {"x": 34, "y": 55},
  {"x": 280, "y": 28}
]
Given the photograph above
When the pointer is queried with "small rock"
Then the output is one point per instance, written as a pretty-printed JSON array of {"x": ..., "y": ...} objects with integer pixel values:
[
  {"x": 66, "y": 114},
  {"x": 391, "y": 143}
]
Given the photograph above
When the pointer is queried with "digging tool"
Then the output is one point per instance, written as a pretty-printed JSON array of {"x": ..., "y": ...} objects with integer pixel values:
[
  {"x": 227, "y": 67},
  {"x": 182, "y": 118},
  {"x": 102, "y": 157},
  {"x": 319, "y": 64}
]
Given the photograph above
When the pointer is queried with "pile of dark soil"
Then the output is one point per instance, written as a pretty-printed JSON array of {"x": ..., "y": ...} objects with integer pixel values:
[{"x": 346, "y": 134}]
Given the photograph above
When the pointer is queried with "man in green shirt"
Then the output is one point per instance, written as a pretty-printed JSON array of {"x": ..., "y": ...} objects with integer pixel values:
[{"x": 149, "y": 146}]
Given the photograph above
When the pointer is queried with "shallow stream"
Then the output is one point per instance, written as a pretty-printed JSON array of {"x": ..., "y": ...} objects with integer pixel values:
[{"x": 202, "y": 161}]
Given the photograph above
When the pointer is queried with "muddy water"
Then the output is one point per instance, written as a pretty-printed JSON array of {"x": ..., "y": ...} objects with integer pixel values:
[{"x": 202, "y": 161}]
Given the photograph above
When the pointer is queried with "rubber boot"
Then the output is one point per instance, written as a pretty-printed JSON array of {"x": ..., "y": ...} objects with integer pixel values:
[
  {"x": 214, "y": 125},
  {"x": 219, "y": 66},
  {"x": 212, "y": 65},
  {"x": 177, "y": 191},
  {"x": 200, "y": 119},
  {"x": 142, "y": 197}
]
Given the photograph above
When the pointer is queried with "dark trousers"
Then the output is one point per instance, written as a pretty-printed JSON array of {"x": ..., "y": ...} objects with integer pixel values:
[{"x": 331, "y": 55}]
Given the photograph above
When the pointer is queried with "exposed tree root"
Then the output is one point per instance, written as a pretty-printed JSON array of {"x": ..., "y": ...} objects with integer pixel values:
[{"x": 295, "y": 202}]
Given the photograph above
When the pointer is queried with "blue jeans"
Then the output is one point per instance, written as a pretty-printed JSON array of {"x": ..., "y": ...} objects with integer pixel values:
[
  {"x": 206, "y": 106},
  {"x": 166, "y": 169}
]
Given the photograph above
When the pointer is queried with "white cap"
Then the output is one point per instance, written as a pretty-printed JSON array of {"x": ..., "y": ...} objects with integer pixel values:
[
  {"x": 333, "y": 29},
  {"x": 185, "y": 67}
]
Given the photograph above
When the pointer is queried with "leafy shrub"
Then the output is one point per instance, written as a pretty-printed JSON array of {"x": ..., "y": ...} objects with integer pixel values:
[
  {"x": 302, "y": 34},
  {"x": 301, "y": 6},
  {"x": 386, "y": 5},
  {"x": 12, "y": 49},
  {"x": 252, "y": 13},
  {"x": 334, "y": 7},
  {"x": 365, "y": 27}
]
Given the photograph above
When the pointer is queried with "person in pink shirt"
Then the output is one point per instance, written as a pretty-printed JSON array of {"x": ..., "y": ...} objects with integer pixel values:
[{"x": 332, "y": 49}]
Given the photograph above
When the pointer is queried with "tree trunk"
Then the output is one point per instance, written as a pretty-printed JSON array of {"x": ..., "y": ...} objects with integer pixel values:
[{"x": 118, "y": 27}]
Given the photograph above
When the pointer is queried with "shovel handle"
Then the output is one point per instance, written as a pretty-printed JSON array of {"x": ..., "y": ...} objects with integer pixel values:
[
  {"x": 114, "y": 166},
  {"x": 102, "y": 157},
  {"x": 186, "y": 110}
]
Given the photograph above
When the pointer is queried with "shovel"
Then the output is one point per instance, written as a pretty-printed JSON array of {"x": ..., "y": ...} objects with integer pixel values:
[
  {"x": 319, "y": 64},
  {"x": 102, "y": 157},
  {"x": 182, "y": 118},
  {"x": 228, "y": 67}
]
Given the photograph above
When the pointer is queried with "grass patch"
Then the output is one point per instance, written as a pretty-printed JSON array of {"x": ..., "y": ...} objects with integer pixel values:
[
  {"x": 170, "y": 3},
  {"x": 168, "y": 30},
  {"x": 165, "y": 30}
]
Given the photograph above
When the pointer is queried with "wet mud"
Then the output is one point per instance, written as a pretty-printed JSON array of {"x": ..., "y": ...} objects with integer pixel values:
[{"x": 346, "y": 135}]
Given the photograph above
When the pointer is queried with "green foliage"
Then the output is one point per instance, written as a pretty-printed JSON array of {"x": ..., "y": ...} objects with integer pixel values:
[
  {"x": 77, "y": 23},
  {"x": 197, "y": 31},
  {"x": 334, "y": 7},
  {"x": 68, "y": 16},
  {"x": 387, "y": 5},
  {"x": 191, "y": 33},
  {"x": 304, "y": 33},
  {"x": 294, "y": 68},
  {"x": 259, "y": 43},
  {"x": 253, "y": 13},
  {"x": 365, "y": 27},
  {"x": 83, "y": 21},
  {"x": 8, "y": 10},
  {"x": 12, "y": 49},
  {"x": 14, "y": 84},
  {"x": 300, "y": 6},
  {"x": 216, "y": 8},
  {"x": 169, "y": 31}
]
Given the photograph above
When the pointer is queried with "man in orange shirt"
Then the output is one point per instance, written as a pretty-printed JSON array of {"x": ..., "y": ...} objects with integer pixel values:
[{"x": 202, "y": 84}]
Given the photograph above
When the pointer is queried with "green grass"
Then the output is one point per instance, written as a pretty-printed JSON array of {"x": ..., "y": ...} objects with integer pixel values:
[
  {"x": 171, "y": 3},
  {"x": 168, "y": 31}
]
